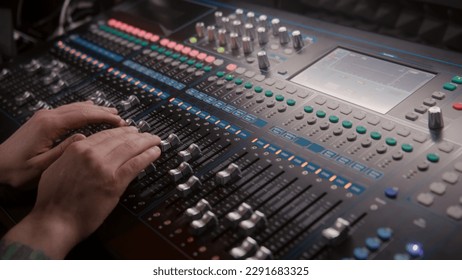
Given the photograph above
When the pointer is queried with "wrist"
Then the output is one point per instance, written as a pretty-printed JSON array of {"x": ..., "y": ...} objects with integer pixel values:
[{"x": 50, "y": 234}]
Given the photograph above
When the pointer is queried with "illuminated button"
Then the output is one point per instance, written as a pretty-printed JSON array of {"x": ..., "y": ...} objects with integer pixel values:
[
  {"x": 361, "y": 129},
  {"x": 373, "y": 243},
  {"x": 248, "y": 85},
  {"x": 201, "y": 56},
  {"x": 432, "y": 157},
  {"x": 186, "y": 50},
  {"x": 414, "y": 249},
  {"x": 210, "y": 59},
  {"x": 199, "y": 65},
  {"x": 229, "y": 77},
  {"x": 320, "y": 114},
  {"x": 207, "y": 68},
  {"x": 376, "y": 135},
  {"x": 176, "y": 55},
  {"x": 384, "y": 233},
  {"x": 179, "y": 47},
  {"x": 193, "y": 53},
  {"x": 238, "y": 81},
  {"x": 220, "y": 50},
  {"x": 279, "y": 98},
  {"x": 308, "y": 109},
  {"x": 333, "y": 119},
  {"x": 449, "y": 86},
  {"x": 457, "y": 80},
  {"x": 268, "y": 93},
  {"x": 360, "y": 253},
  {"x": 258, "y": 89},
  {"x": 183, "y": 59},
  {"x": 391, "y": 192},
  {"x": 291, "y": 102},
  {"x": 220, "y": 74},
  {"x": 347, "y": 124},
  {"x": 161, "y": 50},
  {"x": 190, "y": 62},
  {"x": 231, "y": 67},
  {"x": 457, "y": 106},
  {"x": 154, "y": 47},
  {"x": 168, "y": 53},
  {"x": 407, "y": 148},
  {"x": 390, "y": 141}
]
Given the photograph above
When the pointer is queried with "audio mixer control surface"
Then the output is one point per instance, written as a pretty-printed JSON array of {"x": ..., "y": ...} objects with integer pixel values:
[{"x": 283, "y": 137}]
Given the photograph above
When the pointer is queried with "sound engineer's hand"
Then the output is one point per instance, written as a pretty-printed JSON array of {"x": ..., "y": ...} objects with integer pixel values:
[
  {"x": 79, "y": 190},
  {"x": 30, "y": 150}
]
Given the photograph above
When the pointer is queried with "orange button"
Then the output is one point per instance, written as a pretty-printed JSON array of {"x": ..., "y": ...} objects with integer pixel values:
[
  {"x": 201, "y": 56},
  {"x": 186, "y": 50},
  {"x": 193, "y": 53},
  {"x": 164, "y": 42},
  {"x": 171, "y": 45},
  {"x": 231, "y": 67},
  {"x": 210, "y": 59},
  {"x": 457, "y": 106},
  {"x": 179, "y": 47}
]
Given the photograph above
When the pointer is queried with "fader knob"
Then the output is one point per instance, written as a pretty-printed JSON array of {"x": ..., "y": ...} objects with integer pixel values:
[
  {"x": 249, "y": 30},
  {"x": 198, "y": 210},
  {"x": 191, "y": 153},
  {"x": 211, "y": 33},
  {"x": 338, "y": 232},
  {"x": 222, "y": 36},
  {"x": 297, "y": 39},
  {"x": 171, "y": 142},
  {"x": 284, "y": 38},
  {"x": 230, "y": 173},
  {"x": 262, "y": 36},
  {"x": 263, "y": 61},
  {"x": 435, "y": 118},
  {"x": 143, "y": 126},
  {"x": 183, "y": 170},
  {"x": 218, "y": 17},
  {"x": 208, "y": 220},
  {"x": 275, "y": 24},
  {"x": 247, "y": 45},
  {"x": 23, "y": 98},
  {"x": 4, "y": 73},
  {"x": 234, "y": 40},
  {"x": 200, "y": 29},
  {"x": 186, "y": 188}
]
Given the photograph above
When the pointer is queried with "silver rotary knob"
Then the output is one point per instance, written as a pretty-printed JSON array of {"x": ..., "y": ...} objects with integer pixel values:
[
  {"x": 251, "y": 18},
  {"x": 262, "y": 36},
  {"x": 211, "y": 33},
  {"x": 238, "y": 27},
  {"x": 247, "y": 45},
  {"x": 249, "y": 30},
  {"x": 297, "y": 39},
  {"x": 240, "y": 14},
  {"x": 234, "y": 40},
  {"x": 263, "y": 61},
  {"x": 263, "y": 21},
  {"x": 222, "y": 36},
  {"x": 435, "y": 118},
  {"x": 218, "y": 16},
  {"x": 226, "y": 23},
  {"x": 284, "y": 38},
  {"x": 275, "y": 23},
  {"x": 200, "y": 29}
]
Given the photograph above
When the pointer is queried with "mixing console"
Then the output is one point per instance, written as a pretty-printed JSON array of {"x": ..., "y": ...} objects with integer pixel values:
[{"x": 283, "y": 137}]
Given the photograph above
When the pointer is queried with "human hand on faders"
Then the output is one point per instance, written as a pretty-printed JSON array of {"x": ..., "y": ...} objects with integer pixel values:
[
  {"x": 29, "y": 151},
  {"x": 79, "y": 190}
]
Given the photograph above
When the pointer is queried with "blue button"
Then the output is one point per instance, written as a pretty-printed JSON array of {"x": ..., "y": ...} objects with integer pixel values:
[
  {"x": 285, "y": 155},
  {"x": 356, "y": 189},
  {"x": 233, "y": 129},
  {"x": 260, "y": 123},
  {"x": 302, "y": 142},
  {"x": 298, "y": 161},
  {"x": 239, "y": 113},
  {"x": 341, "y": 182},
  {"x": 414, "y": 249},
  {"x": 194, "y": 110},
  {"x": 358, "y": 166},
  {"x": 289, "y": 136},
  {"x": 311, "y": 167},
  {"x": 222, "y": 124},
  {"x": 176, "y": 101},
  {"x": 260, "y": 143},
  {"x": 384, "y": 233},
  {"x": 203, "y": 115},
  {"x": 391, "y": 192},
  {"x": 212, "y": 119},
  {"x": 373, "y": 243},
  {"x": 250, "y": 118},
  {"x": 244, "y": 134},
  {"x": 360, "y": 253},
  {"x": 219, "y": 104},
  {"x": 273, "y": 148},
  {"x": 316, "y": 148},
  {"x": 329, "y": 153},
  {"x": 277, "y": 130},
  {"x": 326, "y": 174},
  {"x": 344, "y": 160}
]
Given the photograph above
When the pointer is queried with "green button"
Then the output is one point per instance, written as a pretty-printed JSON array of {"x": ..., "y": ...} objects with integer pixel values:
[
  {"x": 347, "y": 124},
  {"x": 457, "y": 79},
  {"x": 290, "y": 102},
  {"x": 221, "y": 50},
  {"x": 154, "y": 47},
  {"x": 183, "y": 58},
  {"x": 361, "y": 129},
  {"x": 320, "y": 114},
  {"x": 168, "y": 53},
  {"x": 279, "y": 98},
  {"x": 390, "y": 141},
  {"x": 229, "y": 77},
  {"x": 190, "y": 62},
  {"x": 376, "y": 135},
  {"x": 144, "y": 43},
  {"x": 138, "y": 41},
  {"x": 161, "y": 50},
  {"x": 407, "y": 148},
  {"x": 258, "y": 89},
  {"x": 193, "y": 40},
  {"x": 433, "y": 157},
  {"x": 199, "y": 65},
  {"x": 248, "y": 85},
  {"x": 176, "y": 55},
  {"x": 238, "y": 81},
  {"x": 268, "y": 93},
  {"x": 208, "y": 68},
  {"x": 308, "y": 109},
  {"x": 220, "y": 74},
  {"x": 333, "y": 119},
  {"x": 449, "y": 86}
]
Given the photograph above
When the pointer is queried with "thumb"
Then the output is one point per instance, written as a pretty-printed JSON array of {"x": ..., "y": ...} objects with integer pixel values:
[{"x": 50, "y": 156}]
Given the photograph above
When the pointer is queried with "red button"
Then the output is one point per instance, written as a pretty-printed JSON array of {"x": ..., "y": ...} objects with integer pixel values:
[
  {"x": 142, "y": 33},
  {"x": 164, "y": 42},
  {"x": 457, "y": 106},
  {"x": 186, "y": 50},
  {"x": 179, "y": 47},
  {"x": 210, "y": 59},
  {"x": 171, "y": 45},
  {"x": 148, "y": 36},
  {"x": 155, "y": 38},
  {"x": 111, "y": 22},
  {"x": 231, "y": 67},
  {"x": 201, "y": 56}
]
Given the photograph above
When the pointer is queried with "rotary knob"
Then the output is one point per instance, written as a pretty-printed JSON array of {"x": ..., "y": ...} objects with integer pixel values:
[
  {"x": 240, "y": 14},
  {"x": 251, "y": 18},
  {"x": 211, "y": 33},
  {"x": 297, "y": 39},
  {"x": 222, "y": 36},
  {"x": 234, "y": 40},
  {"x": 435, "y": 118},
  {"x": 284, "y": 38},
  {"x": 275, "y": 23},
  {"x": 262, "y": 36},
  {"x": 238, "y": 27},
  {"x": 249, "y": 30},
  {"x": 200, "y": 29},
  {"x": 218, "y": 16},
  {"x": 263, "y": 21},
  {"x": 247, "y": 45},
  {"x": 263, "y": 61}
]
